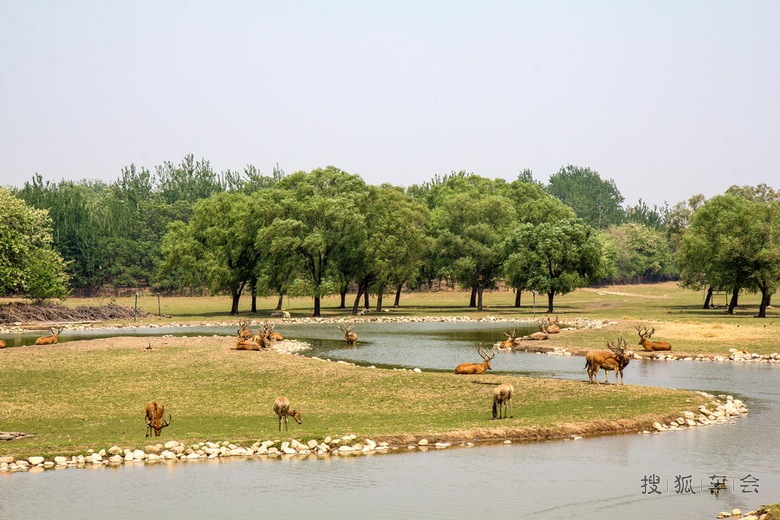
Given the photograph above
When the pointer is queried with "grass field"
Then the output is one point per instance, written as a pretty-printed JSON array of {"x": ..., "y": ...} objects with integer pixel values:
[{"x": 91, "y": 394}]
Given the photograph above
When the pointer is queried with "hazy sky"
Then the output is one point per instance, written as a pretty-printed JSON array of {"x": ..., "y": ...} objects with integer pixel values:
[{"x": 667, "y": 98}]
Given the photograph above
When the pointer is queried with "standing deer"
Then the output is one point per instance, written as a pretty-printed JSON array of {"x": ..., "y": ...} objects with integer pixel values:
[
  {"x": 476, "y": 368},
  {"x": 349, "y": 336},
  {"x": 502, "y": 400},
  {"x": 651, "y": 346},
  {"x": 617, "y": 358},
  {"x": 50, "y": 340},
  {"x": 154, "y": 418},
  {"x": 283, "y": 410}
]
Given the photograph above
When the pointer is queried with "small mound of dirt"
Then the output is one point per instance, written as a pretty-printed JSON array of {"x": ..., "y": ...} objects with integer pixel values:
[{"x": 56, "y": 313}]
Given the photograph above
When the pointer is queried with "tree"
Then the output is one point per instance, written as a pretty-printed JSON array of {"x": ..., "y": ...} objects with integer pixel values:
[
  {"x": 470, "y": 228},
  {"x": 319, "y": 218},
  {"x": 216, "y": 248},
  {"x": 29, "y": 264},
  {"x": 554, "y": 257},
  {"x": 593, "y": 199}
]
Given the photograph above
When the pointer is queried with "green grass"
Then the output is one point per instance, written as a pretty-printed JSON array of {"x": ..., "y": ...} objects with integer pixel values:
[{"x": 78, "y": 396}]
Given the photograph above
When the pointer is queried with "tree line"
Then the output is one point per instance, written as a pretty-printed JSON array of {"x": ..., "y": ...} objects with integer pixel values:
[{"x": 186, "y": 227}]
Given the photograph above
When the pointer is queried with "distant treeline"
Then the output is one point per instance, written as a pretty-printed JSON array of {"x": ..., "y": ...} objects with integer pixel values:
[{"x": 185, "y": 227}]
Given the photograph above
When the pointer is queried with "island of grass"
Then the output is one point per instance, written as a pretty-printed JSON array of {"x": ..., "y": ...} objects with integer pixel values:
[{"x": 91, "y": 394}]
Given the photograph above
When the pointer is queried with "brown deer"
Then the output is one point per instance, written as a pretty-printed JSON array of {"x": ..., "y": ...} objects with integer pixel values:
[
  {"x": 2, "y": 344},
  {"x": 502, "y": 401},
  {"x": 254, "y": 343},
  {"x": 50, "y": 340},
  {"x": 283, "y": 410},
  {"x": 510, "y": 340},
  {"x": 651, "y": 346},
  {"x": 244, "y": 333},
  {"x": 476, "y": 368},
  {"x": 541, "y": 335},
  {"x": 553, "y": 327},
  {"x": 349, "y": 336},
  {"x": 154, "y": 418},
  {"x": 617, "y": 358},
  {"x": 269, "y": 334}
]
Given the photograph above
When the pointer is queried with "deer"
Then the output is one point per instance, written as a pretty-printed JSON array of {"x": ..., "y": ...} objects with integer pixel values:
[
  {"x": 541, "y": 335},
  {"x": 50, "y": 340},
  {"x": 510, "y": 340},
  {"x": 476, "y": 368},
  {"x": 154, "y": 418},
  {"x": 502, "y": 400},
  {"x": 283, "y": 410},
  {"x": 617, "y": 358},
  {"x": 244, "y": 333},
  {"x": 553, "y": 327},
  {"x": 269, "y": 334},
  {"x": 651, "y": 346},
  {"x": 2, "y": 344},
  {"x": 349, "y": 336}
]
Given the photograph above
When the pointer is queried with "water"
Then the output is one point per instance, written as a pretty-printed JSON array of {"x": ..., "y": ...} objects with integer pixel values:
[{"x": 600, "y": 477}]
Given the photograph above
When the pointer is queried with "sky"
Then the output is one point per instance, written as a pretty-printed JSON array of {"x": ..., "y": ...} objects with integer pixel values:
[{"x": 668, "y": 99}]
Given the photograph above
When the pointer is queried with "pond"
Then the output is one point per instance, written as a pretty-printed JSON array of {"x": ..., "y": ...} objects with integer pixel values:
[{"x": 612, "y": 477}]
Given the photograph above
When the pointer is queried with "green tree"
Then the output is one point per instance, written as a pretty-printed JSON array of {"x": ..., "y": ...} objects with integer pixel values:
[
  {"x": 29, "y": 264},
  {"x": 593, "y": 199},
  {"x": 319, "y": 219},
  {"x": 554, "y": 257},
  {"x": 641, "y": 254}
]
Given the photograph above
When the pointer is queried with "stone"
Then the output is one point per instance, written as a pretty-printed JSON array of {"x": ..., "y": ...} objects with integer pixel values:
[
  {"x": 139, "y": 455},
  {"x": 34, "y": 461},
  {"x": 7, "y": 459},
  {"x": 422, "y": 442},
  {"x": 61, "y": 461}
]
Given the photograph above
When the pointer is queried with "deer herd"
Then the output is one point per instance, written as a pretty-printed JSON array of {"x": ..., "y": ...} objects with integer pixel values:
[{"x": 616, "y": 358}]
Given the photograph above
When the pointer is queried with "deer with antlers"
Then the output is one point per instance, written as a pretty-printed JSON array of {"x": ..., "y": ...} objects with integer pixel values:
[
  {"x": 349, "y": 336},
  {"x": 617, "y": 358},
  {"x": 510, "y": 340},
  {"x": 651, "y": 346},
  {"x": 243, "y": 332},
  {"x": 502, "y": 401},
  {"x": 283, "y": 410},
  {"x": 269, "y": 334},
  {"x": 154, "y": 418},
  {"x": 53, "y": 339},
  {"x": 476, "y": 368},
  {"x": 553, "y": 327}
]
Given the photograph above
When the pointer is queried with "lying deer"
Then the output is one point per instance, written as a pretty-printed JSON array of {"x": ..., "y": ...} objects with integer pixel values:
[
  {"x": 553, "y": 327},
  {"x": 283, "y": 410},
  {"x": 154, "y": 418},
  {"x": 2, "y": 344},
  {"x": 617, "y": 358},
  {"x": 476, "y": 368},
  {"x": 50, "y": 340},
  {"x": 502, "y": 400},
  {"x": 651, "y": 346},
  {"x": 244, "y": 332},
  {"x": 510, "y": 340},
  {"x": 269, "y": 334},
  {"x": 349, "y": 336}
]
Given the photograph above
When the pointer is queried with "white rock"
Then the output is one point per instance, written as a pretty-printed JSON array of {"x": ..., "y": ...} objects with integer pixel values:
[
  {"x": 422, "y": 442},
  {"x": 34, "y": 461}
]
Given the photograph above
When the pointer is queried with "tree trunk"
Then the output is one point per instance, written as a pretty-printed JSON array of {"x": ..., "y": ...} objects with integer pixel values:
[
  {"x": 473, "y": 300},
  {"x": 236, "y": 293},
  {"x": 356, "y": 305},
  {"x": 343, "y": 303},
  {"x": 765, "y": 300},
  {"x": 550, "y": 299},
  {"x": 708, "y": 298},
  {"x": 254, "y": 302},
  {"x": 733, "y": 302},
  {"x": 366, "y": 304},
  {"x": 479, "y": 298},
  {"x": 398, "y": 295},
  {"x": 316, "y": 307},
  {"x": 379, "y": 300},
  {"x": 280, "y": 301},
  {"x": 518, "y": 293}
]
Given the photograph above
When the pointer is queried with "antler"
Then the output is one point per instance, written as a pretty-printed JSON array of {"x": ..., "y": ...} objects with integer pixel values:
[
  {"x": 618, "y": 349},
  {"x": 643, "y": 333},
  {"x": 512, "y": 334},
  {"x": 484, "y": 354}
]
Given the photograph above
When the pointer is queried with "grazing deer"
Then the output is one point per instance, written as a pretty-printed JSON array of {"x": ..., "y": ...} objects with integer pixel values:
[
  {"x": 476, "y": 368},
  {"x": 154, "y": 418},
  {"x": 50, "y": 340},
  {"x": 283, "y": 410},
  {"x": 617, "y": 358},
  {"x": 502, "y": 400},
  {"x": 244, "y": 333},
  {"x": 651, "y": 346},
  {"x": 553, "y": 327},
  {"x": 510, "y": 340},
  {"x": 349, "y": 336}
]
